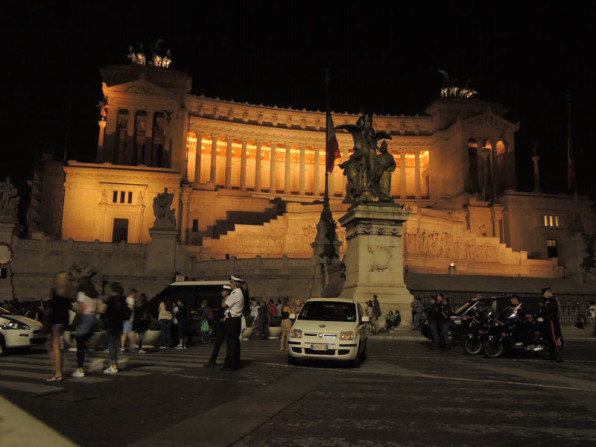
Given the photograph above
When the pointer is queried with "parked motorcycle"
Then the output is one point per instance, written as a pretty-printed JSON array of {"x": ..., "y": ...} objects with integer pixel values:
[
  {"x": 517, "y": 335},
  {"x": 474, "y": 341}
]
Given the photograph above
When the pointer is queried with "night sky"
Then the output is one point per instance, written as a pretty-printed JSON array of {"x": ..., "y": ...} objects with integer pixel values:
[{"x": 384, "y": 59}]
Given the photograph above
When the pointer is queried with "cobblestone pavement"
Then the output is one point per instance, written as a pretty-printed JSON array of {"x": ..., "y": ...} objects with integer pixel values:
[{"x": 404, "y": 394}]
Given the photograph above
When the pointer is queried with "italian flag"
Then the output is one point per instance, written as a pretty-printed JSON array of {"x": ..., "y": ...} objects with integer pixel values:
[{"x": 332, "y": 144}]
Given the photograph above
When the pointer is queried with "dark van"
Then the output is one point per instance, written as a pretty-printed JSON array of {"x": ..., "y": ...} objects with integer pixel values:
[{"x": 192, "y": 293}]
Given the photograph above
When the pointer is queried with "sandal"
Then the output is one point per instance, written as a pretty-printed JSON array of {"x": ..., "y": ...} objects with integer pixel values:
[{"x": 54, "y": 379}]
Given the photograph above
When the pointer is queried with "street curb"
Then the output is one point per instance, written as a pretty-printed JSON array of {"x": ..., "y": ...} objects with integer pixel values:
[{"x": 19, "y": 429}]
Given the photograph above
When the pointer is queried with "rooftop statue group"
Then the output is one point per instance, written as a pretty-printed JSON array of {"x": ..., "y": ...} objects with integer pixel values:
[{"x": 369, "y": 168}]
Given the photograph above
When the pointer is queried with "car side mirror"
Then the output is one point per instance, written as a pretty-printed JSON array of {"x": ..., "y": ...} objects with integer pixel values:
[{"x": 365, "y": 320}]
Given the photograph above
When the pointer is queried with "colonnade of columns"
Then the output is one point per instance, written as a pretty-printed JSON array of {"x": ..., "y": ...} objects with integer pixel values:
[{"x": 307, "y": 179}]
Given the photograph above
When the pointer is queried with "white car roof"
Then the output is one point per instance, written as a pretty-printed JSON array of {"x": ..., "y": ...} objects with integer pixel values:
[
  {"x": 333, "y": 300},
  {"x": 200, "y": 283}
]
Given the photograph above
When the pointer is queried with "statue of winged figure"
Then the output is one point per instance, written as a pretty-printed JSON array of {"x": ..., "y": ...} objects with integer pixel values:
[{"x": 364, "y": 169}]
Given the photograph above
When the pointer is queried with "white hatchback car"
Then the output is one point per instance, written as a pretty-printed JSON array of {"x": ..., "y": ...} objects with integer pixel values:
[
  {"x": 329, "y": 329},
  {"x": 17, "y": 331}
]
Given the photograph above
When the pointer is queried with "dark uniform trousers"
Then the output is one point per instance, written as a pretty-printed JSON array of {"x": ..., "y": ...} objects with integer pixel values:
[
  {"x": 220, "y": 335},
  {"x": 233, "y": 326}
]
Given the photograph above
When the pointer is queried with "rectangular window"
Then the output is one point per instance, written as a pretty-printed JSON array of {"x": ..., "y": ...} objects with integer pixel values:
[
  {"x": 122, "y": 196},
  {"x": 195, "y": 225},
  {"x": 551, "y": 248},
  {"x": 551, "y": 221},
  {"x": 115, "y": 197},
  {"x": 130, "y": 197}
]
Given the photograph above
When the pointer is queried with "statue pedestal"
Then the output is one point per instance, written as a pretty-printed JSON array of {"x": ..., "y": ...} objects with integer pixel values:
[
  {"x": 374, "y": 259},
  {"x": 161, "y": 251}
]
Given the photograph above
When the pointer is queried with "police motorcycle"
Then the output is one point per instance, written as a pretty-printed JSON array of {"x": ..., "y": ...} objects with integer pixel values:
[
  {"x": 514, "y": 331},
  {"x": 479, "y": 326}
]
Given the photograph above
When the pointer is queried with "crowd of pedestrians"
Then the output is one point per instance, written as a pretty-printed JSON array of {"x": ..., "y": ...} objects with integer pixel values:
[{"x": 126, "y": 319}]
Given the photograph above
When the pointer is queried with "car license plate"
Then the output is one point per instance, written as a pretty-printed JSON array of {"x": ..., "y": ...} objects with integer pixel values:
[{"x": 319, "y": 347}]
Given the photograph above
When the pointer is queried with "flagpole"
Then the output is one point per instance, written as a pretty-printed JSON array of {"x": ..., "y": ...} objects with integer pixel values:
[
  {"x": 570, "y": 157},
  {"x": 327, "y": 112}
]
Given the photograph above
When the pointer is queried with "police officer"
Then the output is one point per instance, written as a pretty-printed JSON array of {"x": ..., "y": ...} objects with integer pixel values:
[
  {"x": 220, "y": 329},
  {"x": 549, "y": 309},
  {"x": 444, "y": 318},
  {"x": 233, "y": 306}
]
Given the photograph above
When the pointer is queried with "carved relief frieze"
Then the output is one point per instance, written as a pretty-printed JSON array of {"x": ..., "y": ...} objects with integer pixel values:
[{"x": 369, "y": 228}]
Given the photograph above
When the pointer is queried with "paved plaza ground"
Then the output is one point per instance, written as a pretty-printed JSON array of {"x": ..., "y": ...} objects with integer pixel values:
[{"x": 405, "y": 394}]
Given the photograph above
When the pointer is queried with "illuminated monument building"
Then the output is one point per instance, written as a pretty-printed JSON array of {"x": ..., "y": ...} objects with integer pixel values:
[{"x": 248, "y": 183}]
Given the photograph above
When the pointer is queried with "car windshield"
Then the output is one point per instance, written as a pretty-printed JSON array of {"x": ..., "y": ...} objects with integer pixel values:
[
  {"x": 464, "y": 308},
  {"x": 328, "y": 311}
]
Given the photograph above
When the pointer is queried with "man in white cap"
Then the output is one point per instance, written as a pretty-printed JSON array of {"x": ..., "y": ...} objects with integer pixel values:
[{"x": 233, "y": 305}]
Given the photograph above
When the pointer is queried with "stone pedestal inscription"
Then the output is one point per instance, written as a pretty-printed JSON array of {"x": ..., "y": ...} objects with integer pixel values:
[{"x": 374, "y": 261}]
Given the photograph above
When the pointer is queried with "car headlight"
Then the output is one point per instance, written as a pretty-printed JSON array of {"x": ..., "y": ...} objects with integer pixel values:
[
  {"x": 13, "y": 324},
  {"x": 296, "y": 333},
  {"x": 346, "y": 335}
]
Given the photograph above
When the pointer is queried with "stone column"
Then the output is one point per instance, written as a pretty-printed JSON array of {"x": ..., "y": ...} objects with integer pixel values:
[
  {"x": 213, "y": 174},
  {"x": 316, "y": 183},
  {"x": 199, "y": 153},
  {"x": 288, "y": 176},
  {"x": 535, "y": 160},
  {"x": 230, "y": 141},
  {"x": 258, "y": 167},
  {"x": 494, "y": 169},
  {"x": 302, "y": 172},
  {"x": 185, "y": 226},
  {"x": 272, "y": 169},
  {"x": 243, "y": 167},
  {"x": 100, "y": 138},
  {"x": 402, "y": 171},
  {"x": 417, "y": 175},
  {"x": 486, "y": 165}
]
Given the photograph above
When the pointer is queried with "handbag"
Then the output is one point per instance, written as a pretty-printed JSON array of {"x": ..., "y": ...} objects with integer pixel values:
[{"x": 205, "y": 326}]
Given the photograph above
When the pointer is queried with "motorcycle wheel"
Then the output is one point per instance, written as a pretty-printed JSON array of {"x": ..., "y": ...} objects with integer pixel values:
[
  {"x": 472, "y": 346},
  {"x": 493, "y": 350}
]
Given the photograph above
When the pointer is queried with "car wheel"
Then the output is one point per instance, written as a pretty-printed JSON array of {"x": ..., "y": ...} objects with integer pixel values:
[
  {"x": 292, "y": 361},
  {"x": 493, "y": 350},
  {"x": 357, "y": 359},
  {"x": 472, "y": 346},
  {"x": 363, "y": 354},
  {"x": 2, "y": 346}
]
